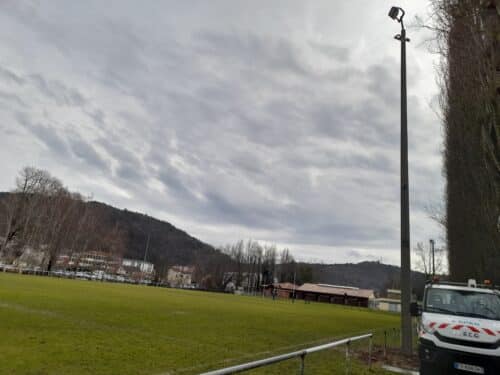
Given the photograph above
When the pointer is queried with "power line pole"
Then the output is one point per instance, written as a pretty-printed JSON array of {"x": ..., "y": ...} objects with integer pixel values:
[
  {"x": 433, "y": 258},
  {"x": 146, "y": 251},
  {"x": 397, "y": 14}
]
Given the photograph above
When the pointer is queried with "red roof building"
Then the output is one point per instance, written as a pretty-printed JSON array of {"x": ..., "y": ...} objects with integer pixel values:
[{"x": 344, "y": 295}]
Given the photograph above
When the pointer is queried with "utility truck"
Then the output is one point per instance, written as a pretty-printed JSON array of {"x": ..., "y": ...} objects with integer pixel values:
[{"x": 459, "y": 328}]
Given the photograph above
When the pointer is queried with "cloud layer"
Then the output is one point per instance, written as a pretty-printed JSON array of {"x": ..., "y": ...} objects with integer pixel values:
[{"x": 276, "y": 121}]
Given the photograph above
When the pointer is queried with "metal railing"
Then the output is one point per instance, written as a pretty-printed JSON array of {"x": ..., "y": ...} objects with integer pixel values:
[{"x": 297, "y": 354}]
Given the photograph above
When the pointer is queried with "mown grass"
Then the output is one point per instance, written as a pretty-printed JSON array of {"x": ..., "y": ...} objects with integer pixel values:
[{"x": 59, "y": 326}]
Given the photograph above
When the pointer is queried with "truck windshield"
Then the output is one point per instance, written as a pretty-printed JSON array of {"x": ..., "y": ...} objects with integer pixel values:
[{"x": 463, "y": 303}]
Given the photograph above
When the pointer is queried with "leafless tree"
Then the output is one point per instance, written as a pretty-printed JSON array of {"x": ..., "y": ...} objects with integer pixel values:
[
  {"x": 423, "y": 260},
  {"x": 287, "y": 266},
  {"x": 40, "y": 213}
]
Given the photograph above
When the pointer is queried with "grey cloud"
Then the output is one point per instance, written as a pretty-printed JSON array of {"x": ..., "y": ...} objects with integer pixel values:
[
  {"x": 98, "y": 116},
  {"x": 341, "y": 54},
  {"x": 9, "y": 99},
  {"x": 47, "y": 135},
  {"x": 255, "y": 51},
  {"x": 223, "y": 210},
  {"x": 85, "y": 152},
  {"x": 9, "y": 75},
  {"x": 309, "y": 156},
  {"x": 52, "y": 89},
  {"x": 355, "y": 254},
  {"x": 113, "y": 148},
  {"x": 363, "y": 122},
  {"x": 248, "y": 163},
  {"x": 174, "y": 182},
  {"x": 57, "y": 91},
  {"x": 383, "y": 82},
  {"x": 130, "y": 172},
  {"x": 359, "y": 256},
  {"x": 129, "y": 168}
]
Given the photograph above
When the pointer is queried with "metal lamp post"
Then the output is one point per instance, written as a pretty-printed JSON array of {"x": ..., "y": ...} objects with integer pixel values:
[
  {"x": 431, "y": 242},
  {"x": 397, "y": 14},
  {"x": 146, "y": 249}
]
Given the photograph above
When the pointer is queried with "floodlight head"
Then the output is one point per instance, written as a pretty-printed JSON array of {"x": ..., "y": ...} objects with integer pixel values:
[{"x": 393, "y": 13}]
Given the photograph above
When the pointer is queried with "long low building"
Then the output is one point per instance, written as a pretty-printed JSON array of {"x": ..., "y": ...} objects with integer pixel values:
[
  {"x": 344, "y": 295},
  {"x": 280, "y": 290}
]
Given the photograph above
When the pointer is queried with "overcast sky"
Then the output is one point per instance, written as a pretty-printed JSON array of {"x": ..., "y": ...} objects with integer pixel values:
[{"x": 271, "y": 120}]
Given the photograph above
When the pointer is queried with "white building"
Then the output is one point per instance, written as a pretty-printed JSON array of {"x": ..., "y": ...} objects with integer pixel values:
[
  {"x": 391, "y": 303},
  {"x": 180, "y": 276},
  {"x": 386, "y": 304},
  {"x": 141, "y": 266},
  {"x": 30, "y": 258},
  {"x": 89, "y": 261}
]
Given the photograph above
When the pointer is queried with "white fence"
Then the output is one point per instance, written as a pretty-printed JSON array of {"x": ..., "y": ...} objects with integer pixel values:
[{"x": 297, "y": 354}]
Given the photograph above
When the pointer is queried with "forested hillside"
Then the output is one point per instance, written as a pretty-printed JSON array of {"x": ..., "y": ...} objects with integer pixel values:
[{"x": 167, "y": 245}]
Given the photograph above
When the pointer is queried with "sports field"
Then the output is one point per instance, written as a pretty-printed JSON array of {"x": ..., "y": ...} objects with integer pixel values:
[{"x": 59, "y": 326}]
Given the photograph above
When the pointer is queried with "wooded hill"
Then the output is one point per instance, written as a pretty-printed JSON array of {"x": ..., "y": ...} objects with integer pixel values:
[{"x": 167, "y": 246}]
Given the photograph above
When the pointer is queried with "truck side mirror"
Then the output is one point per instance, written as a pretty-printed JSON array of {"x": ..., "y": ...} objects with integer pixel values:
[{"x": 415, "y": 309}]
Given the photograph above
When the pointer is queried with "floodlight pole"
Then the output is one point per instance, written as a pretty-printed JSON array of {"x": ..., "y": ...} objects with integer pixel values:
[
  {"x": 433, "y": 258},
  {"x": 406, "y": 330},
  {"x": 145, "y": 252}
]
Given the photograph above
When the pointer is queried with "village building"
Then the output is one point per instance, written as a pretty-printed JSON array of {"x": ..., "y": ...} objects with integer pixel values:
[
  {"x": 386, "y": 304},
  {"x": 139, "y": 265},
  {"x": 180, "y": 276},
  {"x": 390, "y": 303},
  {"x": 89, "y": 261},
  {"x": 394, "y": 294},
  {"x": 344, "y": 295},
  {"x": 136, "y": 269},
  {"x": 244, "y": 280},
  {"x": 92, "y": 261},
  {"x": 280, "y": 290},
  {"x": 30, "y": 258}
]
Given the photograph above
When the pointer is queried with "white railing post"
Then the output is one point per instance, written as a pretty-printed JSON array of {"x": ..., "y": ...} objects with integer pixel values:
[
  {"x": 370, "y": 344},
  {"x": 385, "y": 344},
  {"x": 347, "y": 361},
  {"x": 302, "y": 364}
]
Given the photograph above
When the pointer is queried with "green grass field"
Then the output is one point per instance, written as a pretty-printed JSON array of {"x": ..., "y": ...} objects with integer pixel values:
[{"x": 59, "y": 326}]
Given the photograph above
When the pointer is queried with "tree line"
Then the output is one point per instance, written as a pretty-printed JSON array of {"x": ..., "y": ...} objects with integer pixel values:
[
  {"x": 41, "y": 214},
  {"x": 251, "y": 265}
]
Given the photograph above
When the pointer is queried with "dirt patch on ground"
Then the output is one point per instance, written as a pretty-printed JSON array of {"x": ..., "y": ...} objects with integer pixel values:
[{"x": 392, "y": 357}]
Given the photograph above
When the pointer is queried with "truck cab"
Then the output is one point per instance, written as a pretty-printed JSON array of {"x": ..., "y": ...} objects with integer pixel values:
[{"x": 459, "y": 330}]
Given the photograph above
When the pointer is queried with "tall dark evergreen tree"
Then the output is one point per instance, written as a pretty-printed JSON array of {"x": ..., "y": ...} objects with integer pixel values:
[{"x": 468, "y": 38}]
